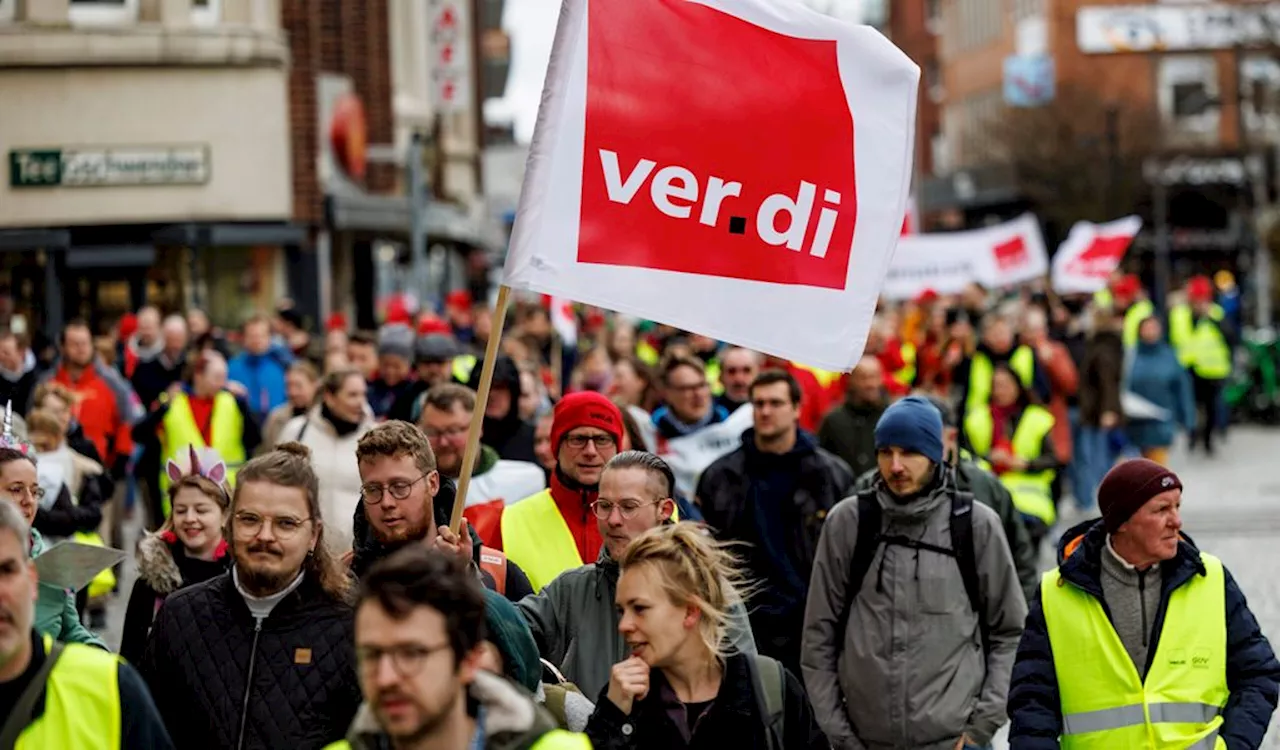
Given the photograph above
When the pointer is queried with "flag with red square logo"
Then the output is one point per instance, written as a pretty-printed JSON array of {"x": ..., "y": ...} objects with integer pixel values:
[
  {"x": 737, "y": 168},
  {"x": 1091, "y": 253}
]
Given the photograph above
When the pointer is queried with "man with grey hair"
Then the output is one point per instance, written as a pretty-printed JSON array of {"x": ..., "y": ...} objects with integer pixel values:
[
  {"x": 59, "y": 694},
  {"x": 573, "y": 619},
  {"x": 738, "y": 367}
]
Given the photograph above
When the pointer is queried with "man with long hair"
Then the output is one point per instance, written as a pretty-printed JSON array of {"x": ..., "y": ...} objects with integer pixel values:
[{"x": 261, "y": 657}]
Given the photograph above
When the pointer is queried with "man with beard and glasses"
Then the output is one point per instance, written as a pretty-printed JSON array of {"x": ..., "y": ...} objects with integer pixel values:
[
  {"x": 261, "y": 657},
  {"x": 61, "y": 695},
  {"x": 420, "y": 630},
  {"x": 400, "y": 487}
]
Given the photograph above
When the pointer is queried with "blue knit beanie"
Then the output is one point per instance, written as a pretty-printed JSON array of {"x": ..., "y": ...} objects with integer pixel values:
[{"x": 912, "y": 424}]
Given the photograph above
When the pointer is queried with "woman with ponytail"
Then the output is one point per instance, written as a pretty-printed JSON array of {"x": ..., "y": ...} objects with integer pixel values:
[{"x": 683, "y": 687}]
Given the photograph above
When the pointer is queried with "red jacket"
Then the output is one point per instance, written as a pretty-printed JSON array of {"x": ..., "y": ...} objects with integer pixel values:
[
  {"x": 575, "y": 509},
  {"x": 98, "y": 413}
]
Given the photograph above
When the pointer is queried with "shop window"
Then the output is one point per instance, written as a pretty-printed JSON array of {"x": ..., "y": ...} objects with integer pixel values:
[{"x": 103, "y": 11}]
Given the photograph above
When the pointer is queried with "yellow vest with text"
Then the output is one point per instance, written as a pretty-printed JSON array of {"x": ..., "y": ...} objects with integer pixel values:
[
  {"x": 907, "y": 374},
  {"x": 181, "y": 431},
  {"x": 982, "y": 372},
  {"x": 1105, "y": 704},
  {"x": 81, "y": 704},
  {"x": 536, "y": 538},
  {"x": 556, "y": 739},
  {"x": 1133, "y": 317},
  {"x": 1032, "y": 491}
]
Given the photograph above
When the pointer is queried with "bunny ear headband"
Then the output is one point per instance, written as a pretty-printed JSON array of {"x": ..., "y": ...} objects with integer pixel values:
[
  {"x": 215, "y": 471},
  {"x": 8, "y": 439}
]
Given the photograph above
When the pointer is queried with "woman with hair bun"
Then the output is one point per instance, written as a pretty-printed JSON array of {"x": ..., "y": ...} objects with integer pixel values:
[{"x": 683, "y": 687}]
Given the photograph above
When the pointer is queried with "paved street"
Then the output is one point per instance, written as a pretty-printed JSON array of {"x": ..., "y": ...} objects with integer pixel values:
[{"x": 1231, "y": 507}]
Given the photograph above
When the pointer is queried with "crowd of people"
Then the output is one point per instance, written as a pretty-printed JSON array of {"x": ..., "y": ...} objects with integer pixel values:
[{"x": 666, "y": 541}]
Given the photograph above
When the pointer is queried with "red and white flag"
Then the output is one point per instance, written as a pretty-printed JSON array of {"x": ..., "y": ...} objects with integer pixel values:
[
  {"x": 996, "y": 256},
  {"x": 737, "y": 168},
  {"x": 1091, "y": 253},
  {"x": 564, "y": 320}
]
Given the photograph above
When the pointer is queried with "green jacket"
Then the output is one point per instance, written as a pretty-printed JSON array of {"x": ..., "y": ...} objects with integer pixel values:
[
  {"x": 56, "y": 613},
  {"x": 988, "y": 490}
]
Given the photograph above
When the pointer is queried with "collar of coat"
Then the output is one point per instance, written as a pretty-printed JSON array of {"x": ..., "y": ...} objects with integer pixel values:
[
  {"x": 511, "y": 717},
  {"x": 1080, "y": 559}
]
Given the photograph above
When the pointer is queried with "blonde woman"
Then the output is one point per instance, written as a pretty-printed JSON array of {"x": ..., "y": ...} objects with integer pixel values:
[{"x": 682, "y": 687}]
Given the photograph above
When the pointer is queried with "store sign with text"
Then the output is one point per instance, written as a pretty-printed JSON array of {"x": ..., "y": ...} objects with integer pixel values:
[
  {"x": 1112, "y": 29},
  {"x": 109, "y": 167}
]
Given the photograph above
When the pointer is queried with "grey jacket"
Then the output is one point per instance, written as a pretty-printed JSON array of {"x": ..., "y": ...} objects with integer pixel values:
[
  {"x": 575, "y": 624},
  {"x": 909, "y": 672}
]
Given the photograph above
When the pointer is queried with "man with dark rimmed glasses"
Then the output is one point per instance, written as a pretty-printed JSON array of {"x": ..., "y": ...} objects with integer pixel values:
[{"x": 399, "y": 483}]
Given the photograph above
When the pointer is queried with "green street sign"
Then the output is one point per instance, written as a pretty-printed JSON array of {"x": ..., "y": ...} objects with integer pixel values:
[
  {"x": 109, "y": 167},
  {"x": 35, "y": 168}
]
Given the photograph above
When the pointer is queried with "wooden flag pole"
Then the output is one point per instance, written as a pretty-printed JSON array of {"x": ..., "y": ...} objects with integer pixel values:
[{"x": 482, "y": 398}]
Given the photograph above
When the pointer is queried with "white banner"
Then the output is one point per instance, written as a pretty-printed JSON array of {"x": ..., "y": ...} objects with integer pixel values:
[
  {"x": 999, "y": 256},
  {"x": 669, "y": 177},
  {"x": 1091, "y": 253},
  {"x": 1103, "y": 29},
  {"x": 690, "y": 455}
]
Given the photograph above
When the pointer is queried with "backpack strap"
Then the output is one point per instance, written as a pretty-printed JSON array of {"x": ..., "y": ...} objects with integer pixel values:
[
  {"x": 864, "y": 552},
  {"x": 494, "y": 562},
  {"x": 967, "y": 558},
  {"x": 769, "y": 680}
]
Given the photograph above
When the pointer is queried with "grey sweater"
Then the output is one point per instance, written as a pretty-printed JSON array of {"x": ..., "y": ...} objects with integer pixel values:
[{"x": 1133, "y": 596}]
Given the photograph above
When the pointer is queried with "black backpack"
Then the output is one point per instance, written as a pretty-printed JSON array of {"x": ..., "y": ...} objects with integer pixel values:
[{"x": 870, "y": 537}]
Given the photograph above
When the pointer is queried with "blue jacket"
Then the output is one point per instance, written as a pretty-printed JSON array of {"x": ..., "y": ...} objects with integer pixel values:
[
  {"x": 1156, "y": 375},
  {"x": 1253, "y": 674},
  {"x": 262, "y": 375}
]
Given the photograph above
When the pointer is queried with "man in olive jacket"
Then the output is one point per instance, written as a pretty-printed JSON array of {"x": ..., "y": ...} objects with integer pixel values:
[
  {"x": 573, "y": 619},
  {"x": 986, "y": 489}
]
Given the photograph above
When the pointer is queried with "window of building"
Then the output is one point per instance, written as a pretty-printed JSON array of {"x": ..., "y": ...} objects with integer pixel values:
[
  {"x": 1188, "y": 96},
  {"x": 1260, "y": 79},
  {"x": 933, "y": 81},
  {"x": 6, "y": 10},
  {"x": 103, "y": 11},
  {"x": 933, "y": 16},
  {"x": 206, "y": 12}
]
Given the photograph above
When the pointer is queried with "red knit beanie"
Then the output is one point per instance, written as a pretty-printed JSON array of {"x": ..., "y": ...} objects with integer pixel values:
[
  {"x": 1128, "y": 487},
  {"x": 585, "y": 409}
]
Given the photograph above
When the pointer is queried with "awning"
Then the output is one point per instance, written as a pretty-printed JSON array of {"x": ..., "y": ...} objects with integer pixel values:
[
  {"x": 989, "y": 185},
  {"x": 230, "y": 234},
  {"x": 17, "y": 240},
  {"x": 354, "y": 210}
]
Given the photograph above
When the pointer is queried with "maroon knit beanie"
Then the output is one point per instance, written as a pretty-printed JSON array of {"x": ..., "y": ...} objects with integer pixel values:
[{"x": 1128, "y": 487}]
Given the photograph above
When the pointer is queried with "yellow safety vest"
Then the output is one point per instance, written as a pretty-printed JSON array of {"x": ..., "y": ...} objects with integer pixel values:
[
  {"x": 825, "y": 377},
  {"x": 982, "y": 371},
  {"x": 648, "y": 353},
  {"x": 535, "y": 537},
  {"x": 181, "y": 431},
  {"x": 1032, "y": 491},
  {"x": 463, "y": 367},
  {"x": 556, "y": 739},
  {"x": 105, "y": 581},
  {"x": 907, "y": 374},
  {"x": 1133, "y": 317},
  {"x": 1105, "y": 704},
  {"x": 81, "y": 705},
  {"x": 1200, "y": 345},
  {"x": 713, "y": 376}
]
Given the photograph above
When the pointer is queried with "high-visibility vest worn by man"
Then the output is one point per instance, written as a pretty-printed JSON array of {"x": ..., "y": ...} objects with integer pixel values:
[
  {"x": 60, "y": 695},
  {"x": 1138, "y": 639},
  {"x": 221, "y": 428},
  {"x": 555, "y": 530},
  {"x": 1199, "y": 340}
]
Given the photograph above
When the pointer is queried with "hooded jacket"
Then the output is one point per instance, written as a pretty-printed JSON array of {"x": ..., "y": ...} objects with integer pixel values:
[
  {"x": 988, "y": 490},
  {"x": 512, "y": 721},
  {"x": 333, "y": 456},
  {"x": 575, "y": 624},
  {"x": 163, "y": 568},
  {"x": 909, "y": 671},
  {"x": 509, "y": 435},
  {"x": 1253, "y": 673}
]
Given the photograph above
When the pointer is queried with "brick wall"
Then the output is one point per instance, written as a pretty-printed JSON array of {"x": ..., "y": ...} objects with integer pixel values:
[
  {"x": 335, "y": 36},
  {"x": 908, "y": 30}
]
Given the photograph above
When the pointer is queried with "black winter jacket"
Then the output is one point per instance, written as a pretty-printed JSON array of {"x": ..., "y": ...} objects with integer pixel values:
[
  {"x": 733, "y": 720},
  {"x": 206, "y": 664},
  {"x": 1253, "y": 674}
]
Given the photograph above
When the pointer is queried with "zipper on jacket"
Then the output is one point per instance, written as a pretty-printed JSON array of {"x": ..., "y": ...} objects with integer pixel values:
[
  {"x": 248, "y": 684},
  {"x": 1142, "y": 597}
]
